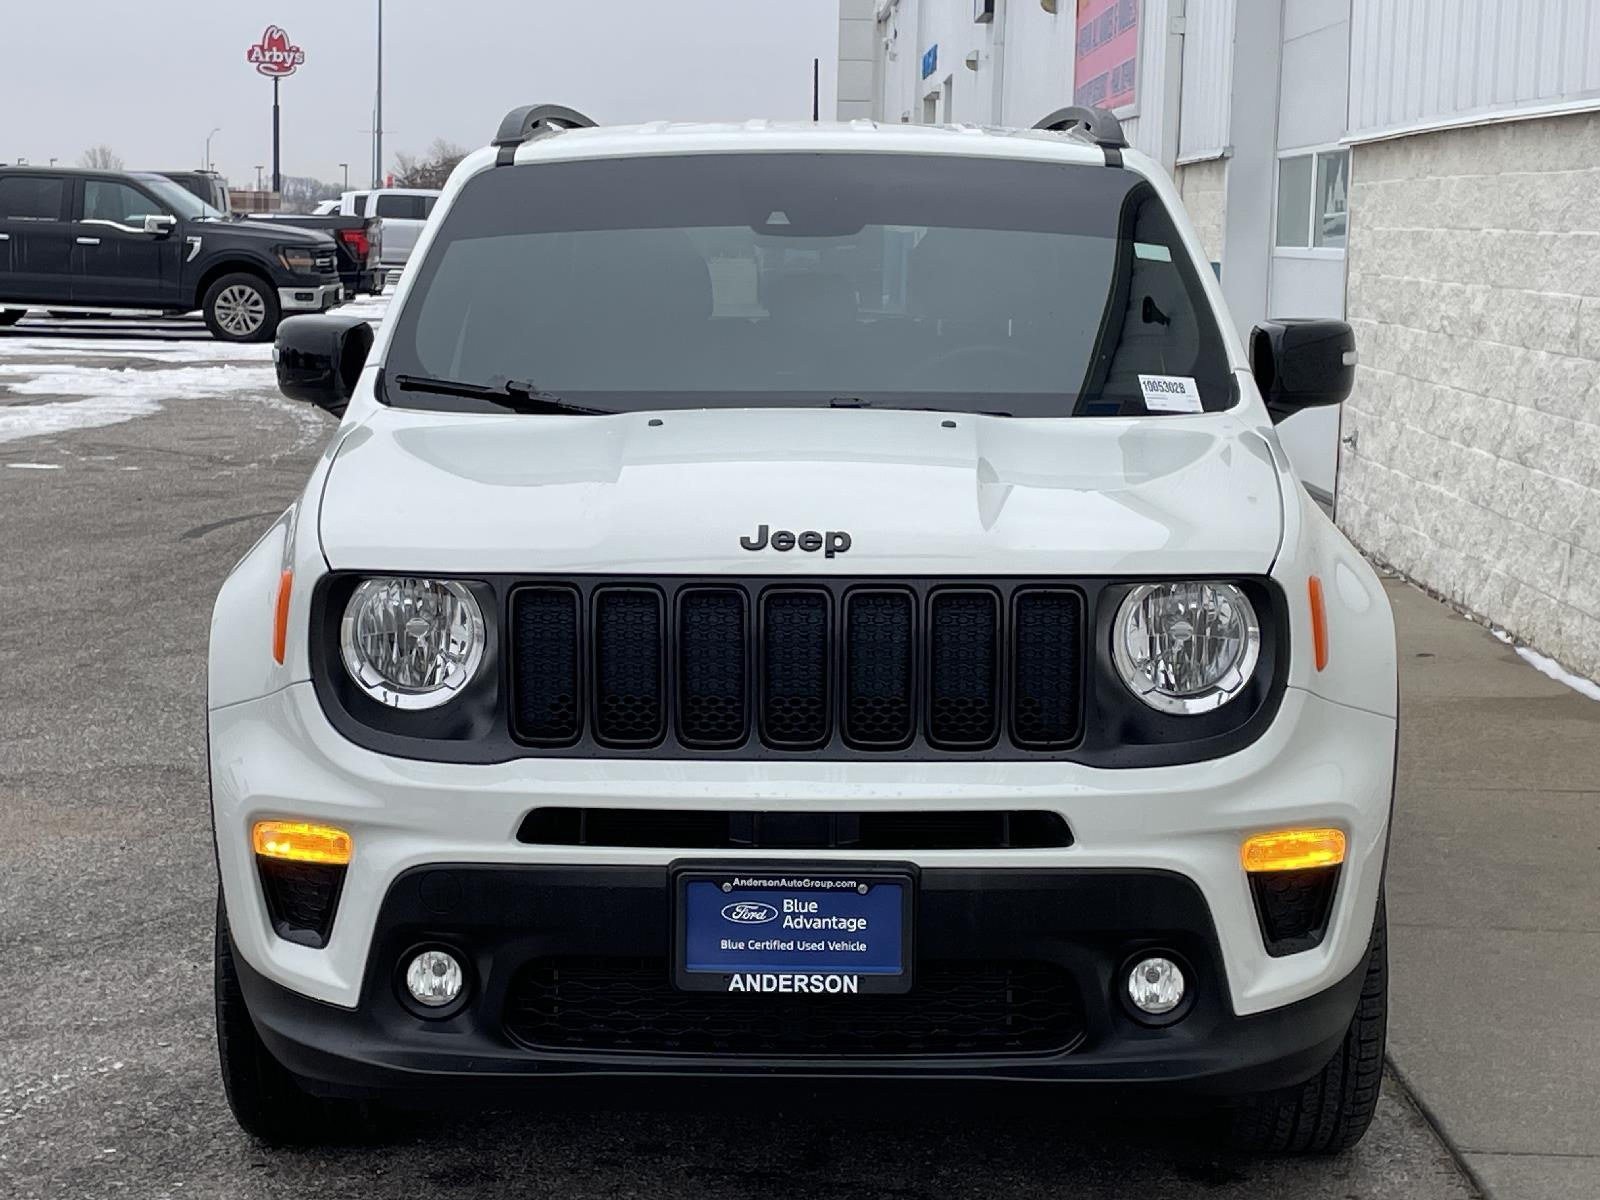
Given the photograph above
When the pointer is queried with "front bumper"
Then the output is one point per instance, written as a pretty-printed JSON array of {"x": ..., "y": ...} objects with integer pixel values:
[
  {"x": 1320, "y": 763},
  {"x": 503, "y": 921},
  {"x": 311, "y": 297}
]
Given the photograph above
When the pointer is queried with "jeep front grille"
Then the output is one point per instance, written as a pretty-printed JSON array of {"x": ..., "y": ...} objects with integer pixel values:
[{"x": 836, "y": 668}]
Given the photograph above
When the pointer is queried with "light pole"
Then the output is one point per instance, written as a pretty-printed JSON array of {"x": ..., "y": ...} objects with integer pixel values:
[
  {"x": 260, "y": 167},
  {"x": 345, "y": 167},
  {"x": 52, "y": 162},
  {"x": 377, "y": 115},
  {"x": 209, "y": 136}
]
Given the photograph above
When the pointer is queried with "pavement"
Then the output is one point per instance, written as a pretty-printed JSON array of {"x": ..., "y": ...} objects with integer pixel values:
[
  {"x": 1494, "y": 906},
  {"x": 116, "y": 536}
]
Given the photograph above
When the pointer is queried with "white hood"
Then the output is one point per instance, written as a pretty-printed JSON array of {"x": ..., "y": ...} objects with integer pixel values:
[{"x": 673, "y": 493}]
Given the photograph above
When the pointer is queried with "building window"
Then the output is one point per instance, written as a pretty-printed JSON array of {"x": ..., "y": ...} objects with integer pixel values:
[{"x": 1313, "y": 200}]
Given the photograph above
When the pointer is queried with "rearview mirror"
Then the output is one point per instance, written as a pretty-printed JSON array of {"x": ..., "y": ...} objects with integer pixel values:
[
  {"x": 1301, "y": 364},
  {"x": 320, "y": 359},
  {"x": 160, "y": 224}
]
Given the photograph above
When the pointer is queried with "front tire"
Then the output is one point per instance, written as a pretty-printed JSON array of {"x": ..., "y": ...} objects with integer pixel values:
[
  {"x": 241, "y": 308},
  {"x": 1332, "y": 1110},
  {"x": 266, "y": 1101}
]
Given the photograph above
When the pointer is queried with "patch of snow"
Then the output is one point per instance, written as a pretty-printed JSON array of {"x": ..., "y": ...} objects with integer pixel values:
[
  {"x": 1549, "y": 667},
  {"x": 113, "y": 394},
  {"x": 34, "y": 466}
]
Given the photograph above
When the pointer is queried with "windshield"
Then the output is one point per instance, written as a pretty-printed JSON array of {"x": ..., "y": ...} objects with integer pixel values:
[
  {"x": 959, "y": 284},
  {"x": 179, "y": 199}
]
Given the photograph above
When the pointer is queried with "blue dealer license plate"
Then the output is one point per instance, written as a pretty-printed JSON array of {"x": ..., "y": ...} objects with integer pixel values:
[{"x": 775, "y": 930}]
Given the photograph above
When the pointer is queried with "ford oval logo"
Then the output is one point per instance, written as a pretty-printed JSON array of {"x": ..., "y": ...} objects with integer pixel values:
[{"x": 749, "y": 912}]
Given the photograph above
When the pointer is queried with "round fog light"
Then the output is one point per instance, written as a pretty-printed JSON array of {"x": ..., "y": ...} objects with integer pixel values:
[
  {"x": 1155, "y": 985},
  {"x": 434, "y": 978}
]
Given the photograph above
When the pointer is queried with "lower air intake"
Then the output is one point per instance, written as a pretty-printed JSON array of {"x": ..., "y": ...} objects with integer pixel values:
[{"x": 956, "y": 1008}]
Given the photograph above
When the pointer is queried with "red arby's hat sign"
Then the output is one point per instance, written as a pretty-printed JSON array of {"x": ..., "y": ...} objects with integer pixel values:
[{"x": 274, "y": 54}]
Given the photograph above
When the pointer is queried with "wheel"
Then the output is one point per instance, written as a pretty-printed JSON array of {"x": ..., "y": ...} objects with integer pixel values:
[
  {"x": 10, "y": 316},
  {"x": 1330, "y": 1111},
  {"x": 240, "y": 308},
  {"x": 264, "y": 1097}
]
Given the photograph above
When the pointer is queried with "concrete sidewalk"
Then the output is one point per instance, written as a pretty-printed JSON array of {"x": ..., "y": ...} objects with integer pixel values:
[{"x": 1494, "y": 906}]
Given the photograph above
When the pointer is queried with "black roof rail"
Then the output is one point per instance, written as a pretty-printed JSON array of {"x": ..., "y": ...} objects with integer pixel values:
[
  {"x": 1097, "y": 125},
  {"x": 529, "y": 121}
]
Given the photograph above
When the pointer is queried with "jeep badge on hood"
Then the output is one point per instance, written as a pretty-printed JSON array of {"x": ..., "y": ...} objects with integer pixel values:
[{"x": 835, "y": 541}]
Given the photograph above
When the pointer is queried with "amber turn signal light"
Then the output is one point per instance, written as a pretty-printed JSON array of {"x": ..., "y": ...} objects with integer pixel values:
[
  {"x": 280, "y": 616},
  {"x": 298, "y": 841},
  {"x": 1293, "y": 850},
  {"x": 1319, "y": 623}
]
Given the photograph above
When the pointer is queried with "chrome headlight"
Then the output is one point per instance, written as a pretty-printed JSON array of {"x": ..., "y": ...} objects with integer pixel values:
[
  {"x": 1186, "y": 647},
  {"x": 412, "y": 643}
]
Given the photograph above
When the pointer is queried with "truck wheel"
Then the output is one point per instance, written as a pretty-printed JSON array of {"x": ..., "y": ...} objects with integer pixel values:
[
  {"x": 1330, "y": 1111},
  {"x": 10, "y": 316},
  {"x": 264, "y": 1097},
  {"x": 241, "y": 308}
]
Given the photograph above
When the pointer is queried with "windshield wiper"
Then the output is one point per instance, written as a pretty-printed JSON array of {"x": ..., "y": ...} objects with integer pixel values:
[
  {"x": 516, "y": 394},
  {"x": 858, "y": 402}
]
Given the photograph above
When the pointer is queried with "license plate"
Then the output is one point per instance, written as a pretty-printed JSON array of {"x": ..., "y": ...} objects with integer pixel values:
[{"x": 778, "y": 930}]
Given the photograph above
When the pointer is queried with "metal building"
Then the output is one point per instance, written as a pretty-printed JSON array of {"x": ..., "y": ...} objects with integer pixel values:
[{"x": 1429, "y": 169}]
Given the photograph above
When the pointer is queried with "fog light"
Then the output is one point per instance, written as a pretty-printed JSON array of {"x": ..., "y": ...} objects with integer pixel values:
[
  {"x": 1155, "y": 985},
  {"x": 434, "y": 978}
]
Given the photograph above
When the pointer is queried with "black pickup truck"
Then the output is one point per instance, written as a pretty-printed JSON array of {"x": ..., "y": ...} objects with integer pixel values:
[
  {"x": 359, "y": 239},
  {"x": 113, "y": 240}
]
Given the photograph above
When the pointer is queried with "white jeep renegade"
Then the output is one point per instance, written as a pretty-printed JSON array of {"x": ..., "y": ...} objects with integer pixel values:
[{"x": 821, "y": 600}]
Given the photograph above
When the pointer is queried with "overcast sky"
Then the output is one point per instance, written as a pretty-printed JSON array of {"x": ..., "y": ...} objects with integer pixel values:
[{"x": 151, "y": 79}]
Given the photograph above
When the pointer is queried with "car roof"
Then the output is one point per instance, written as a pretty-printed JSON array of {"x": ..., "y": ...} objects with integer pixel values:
[{"x": 861, "y": 136}]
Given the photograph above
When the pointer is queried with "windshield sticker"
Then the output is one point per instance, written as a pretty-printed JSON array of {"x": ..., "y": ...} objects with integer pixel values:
[
  {"x": 1171, "y": 393},
  {"x": 1152, "y": 252}
]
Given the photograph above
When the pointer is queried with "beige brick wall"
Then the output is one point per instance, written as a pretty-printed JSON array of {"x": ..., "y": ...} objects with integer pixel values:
[
  {"x": 1474, "y": 290},
  {"x": 1201, "y": 186}
]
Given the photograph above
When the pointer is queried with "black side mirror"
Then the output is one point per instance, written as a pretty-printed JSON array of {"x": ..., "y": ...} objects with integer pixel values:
[
  {"x": 320, "y": 359},
  {"x": 1302, "y": 364}
]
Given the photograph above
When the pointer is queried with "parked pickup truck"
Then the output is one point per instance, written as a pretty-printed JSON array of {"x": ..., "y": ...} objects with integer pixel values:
[
  {"x": 119, "y": 240},
  {"x": 404, "y": 211},
  {"x": 359, "y": 241}
]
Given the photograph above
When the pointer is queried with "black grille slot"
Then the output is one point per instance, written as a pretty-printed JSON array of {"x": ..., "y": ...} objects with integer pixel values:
[
  {"x": 713, "y": 682},
  {"x": 955, "y": 1008},
  {"x": 880, "y": 672},
  {"x": 795, "y": 687},
  {"x": 1047, "y": 668},
  {"x": 964, "y": 668},
  {"x": 629, "y": 709},
  {"x": 704, "y": 829},
  {"x": 546, "y": 676}
]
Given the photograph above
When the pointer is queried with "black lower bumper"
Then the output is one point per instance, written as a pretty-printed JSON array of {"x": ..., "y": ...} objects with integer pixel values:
[{"x": 1084, "y": 926}]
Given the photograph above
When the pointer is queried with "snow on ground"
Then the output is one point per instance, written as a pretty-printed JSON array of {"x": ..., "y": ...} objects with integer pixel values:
[
  {"x": 74, "y": 375},
  {"x": 111, "y": 395},
  {"x": 1550, "y": 667}
]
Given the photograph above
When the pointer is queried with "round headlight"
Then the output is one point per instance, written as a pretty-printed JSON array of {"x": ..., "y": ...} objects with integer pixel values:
[
  {"x": 412, "y": 643},
  {"x": 1186, "y": 647}
]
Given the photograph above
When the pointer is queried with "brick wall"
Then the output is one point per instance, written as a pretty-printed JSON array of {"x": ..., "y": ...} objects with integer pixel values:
[
  {"x": 1201, "y": 186},
  {"x": 1474, "y": 290}
]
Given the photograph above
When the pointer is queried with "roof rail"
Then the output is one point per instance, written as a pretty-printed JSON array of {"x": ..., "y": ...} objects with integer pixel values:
[
  {"x": 529, "y": 121},
  {"x": 1097, "y": 125}
]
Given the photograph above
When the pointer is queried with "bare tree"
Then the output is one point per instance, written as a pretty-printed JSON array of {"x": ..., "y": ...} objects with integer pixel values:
[
  {"x": 428, "y": 170},
  {"x": 300, "y": 193},
  {"x": 102, "y": 158}
]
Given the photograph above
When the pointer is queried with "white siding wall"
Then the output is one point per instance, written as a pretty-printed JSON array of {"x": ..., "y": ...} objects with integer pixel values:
[
  {"x": 1420, "y": 63},
  {"x": 1207, "y": 79},
  {"x": 1038, "y": 63}
]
